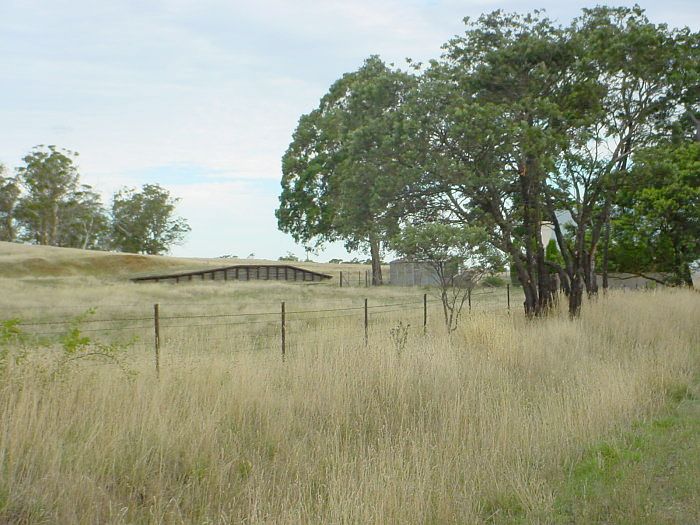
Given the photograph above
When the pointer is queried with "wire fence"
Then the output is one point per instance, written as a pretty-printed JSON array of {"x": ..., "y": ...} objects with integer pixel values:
[{"x": 162, "y": 324}]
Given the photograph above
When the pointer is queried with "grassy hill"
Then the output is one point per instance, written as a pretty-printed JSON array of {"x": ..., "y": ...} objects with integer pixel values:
[{"x": 21, "y": 260}]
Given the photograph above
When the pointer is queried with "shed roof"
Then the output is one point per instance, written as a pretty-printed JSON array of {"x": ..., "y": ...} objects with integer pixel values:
[{"x": 232, "y": 267}]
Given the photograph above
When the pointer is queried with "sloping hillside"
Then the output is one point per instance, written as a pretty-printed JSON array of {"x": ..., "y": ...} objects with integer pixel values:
[{"x": 21, "y": 260}]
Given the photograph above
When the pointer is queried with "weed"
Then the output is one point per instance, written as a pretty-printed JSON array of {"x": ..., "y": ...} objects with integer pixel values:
[{"x": 399, "y": 336}]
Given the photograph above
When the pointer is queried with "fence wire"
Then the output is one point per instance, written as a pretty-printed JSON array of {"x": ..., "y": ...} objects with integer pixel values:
[{"x": 307, "y": 320}]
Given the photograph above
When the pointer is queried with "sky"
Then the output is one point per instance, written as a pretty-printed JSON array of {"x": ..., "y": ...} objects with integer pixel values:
[{"x": 203, "y": 96}]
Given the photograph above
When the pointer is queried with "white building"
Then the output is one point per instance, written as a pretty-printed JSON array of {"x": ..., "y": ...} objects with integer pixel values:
[{"x": 547, "y": 228}]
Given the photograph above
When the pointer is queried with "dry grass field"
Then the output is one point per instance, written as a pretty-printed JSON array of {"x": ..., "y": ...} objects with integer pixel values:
[{"x": 487, "y": 425}]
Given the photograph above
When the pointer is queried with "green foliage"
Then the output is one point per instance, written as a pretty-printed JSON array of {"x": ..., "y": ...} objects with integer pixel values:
[
  {"x": 55, "y": 209},
  {"x": 47, "y": 204},
  {"x": 643, "y": 73},
  {"x": 657, "y": 223},
  {"x": 493, "y": 281},
  {"x": 341, "y": 173},
  {"x": 74, "y": 344},
  {"x": 85, "y": 223},
  {"x": 73, "y": 340},
  {"x": 521, "y": 119},
  {"x": 460, "y": 256},
  {"x": 289, "y": 257},
  {"x": 11, "y": 336},
  {"x": 445, "y": 245},
  {"x": 9, "y": 193},
  {"x": 488, "y": 123},
  {"x": 552, "y": 253},
  {"x": 143, "y": 221},
  {"x": 622, "y": 480},
  {"x": 10, "y": 331}
]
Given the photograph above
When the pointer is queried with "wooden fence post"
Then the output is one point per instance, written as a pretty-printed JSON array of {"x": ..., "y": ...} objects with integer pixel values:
[
  {"x": 366, "y": 278},
  {"x": 284, "y": 331},
  {"x": 156, "y": 327},
  {"x": 425, "y": 313},
  {"x": 366, "y": 323},
  {"x": 341, "y": 278},
  {"x": 469, "y": 298},
  {"x": 508, "y": 294},
  {"x": 359, "y": 278}
]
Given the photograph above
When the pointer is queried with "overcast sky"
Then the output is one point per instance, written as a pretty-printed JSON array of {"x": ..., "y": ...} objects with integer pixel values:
[{"x": 202, "y": 96}]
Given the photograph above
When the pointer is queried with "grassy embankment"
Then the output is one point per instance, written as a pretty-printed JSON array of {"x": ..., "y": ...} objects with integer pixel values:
[
  {"x": 507, "y": 420},
  {"x": 24, "y": 261}
]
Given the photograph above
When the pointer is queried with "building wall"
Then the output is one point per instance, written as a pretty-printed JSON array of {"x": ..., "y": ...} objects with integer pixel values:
[{"x": 407, "y": 273}]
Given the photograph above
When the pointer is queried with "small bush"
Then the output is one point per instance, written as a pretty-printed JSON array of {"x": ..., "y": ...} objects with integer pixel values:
[{"x": 493, "y": 281}]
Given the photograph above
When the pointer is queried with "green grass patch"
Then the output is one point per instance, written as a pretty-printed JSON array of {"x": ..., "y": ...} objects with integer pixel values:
[{"x": 647, "y": 476}]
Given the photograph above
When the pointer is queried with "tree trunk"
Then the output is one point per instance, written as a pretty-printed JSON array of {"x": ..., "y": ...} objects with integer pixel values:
[
  {"x": 685, "y": 275},
  {"x": 533, "y": 275},
  {"x": 376, "y": 261},
  {"x": 564, "y": 282},
  {"x": 696, "y": 123},
  {"x": 43, "y": 231},
  {"x": 590, "y": 279},
  {"x": 682, "y": 269},
  {"x": 575, "y": 296},
  {"x": 8, "y": 230},
  {"x": 606, "y": 247},
  {"x": 88, "y": 234},
  {"x": 529, "y": 288},
  {"x": 544, "y": 281},
  {"x": 621, "y": 167},
  {"x": 53, "y": 234}
]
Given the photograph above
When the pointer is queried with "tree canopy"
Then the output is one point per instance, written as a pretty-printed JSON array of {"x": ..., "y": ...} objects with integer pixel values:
[
  {"x": 9, "y": 193},
  {"x": 144, "y": 222},
  {"x": 656, "y": 222},
  {"x": 341, "y": 172},
  {"x": 46, "y": 203},
  {"x": 520, "y": 122}
]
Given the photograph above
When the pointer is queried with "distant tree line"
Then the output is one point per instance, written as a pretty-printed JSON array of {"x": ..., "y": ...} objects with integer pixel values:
[
  {"x": 518, "y": 120},
  {"x": 46, "y": 203}
]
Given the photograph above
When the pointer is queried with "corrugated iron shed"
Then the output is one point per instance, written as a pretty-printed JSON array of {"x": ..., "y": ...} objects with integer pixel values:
[{"x": 241, "y": 272}]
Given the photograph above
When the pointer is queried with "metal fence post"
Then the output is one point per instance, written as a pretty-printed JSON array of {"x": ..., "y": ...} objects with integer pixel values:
[
  {"x": 366, "y": 323},
  {"x": 508, "y": 294},
  {"x": 425, "y": 313},
  {"x": 284, "y": 331},
  {"x": 156, "y": 327}
]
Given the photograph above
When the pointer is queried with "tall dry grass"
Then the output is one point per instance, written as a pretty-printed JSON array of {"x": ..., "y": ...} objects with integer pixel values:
[{"x": 459, "y": 430}]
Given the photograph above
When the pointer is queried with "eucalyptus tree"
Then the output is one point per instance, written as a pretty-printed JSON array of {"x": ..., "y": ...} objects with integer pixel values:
[
  {"x": 342, "y": 171},
  {"x": 49, "y": 176},
  {"x": 488, "y": 122},
  {"x": 84, "y": 222},
  {"x": 9, "y": 193},
  {"x": 644, "y": 74},
  {"x": 53, "y": 207},
  {"x": 145, "y": 222},
  {"x": 521, "y": 119}
]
